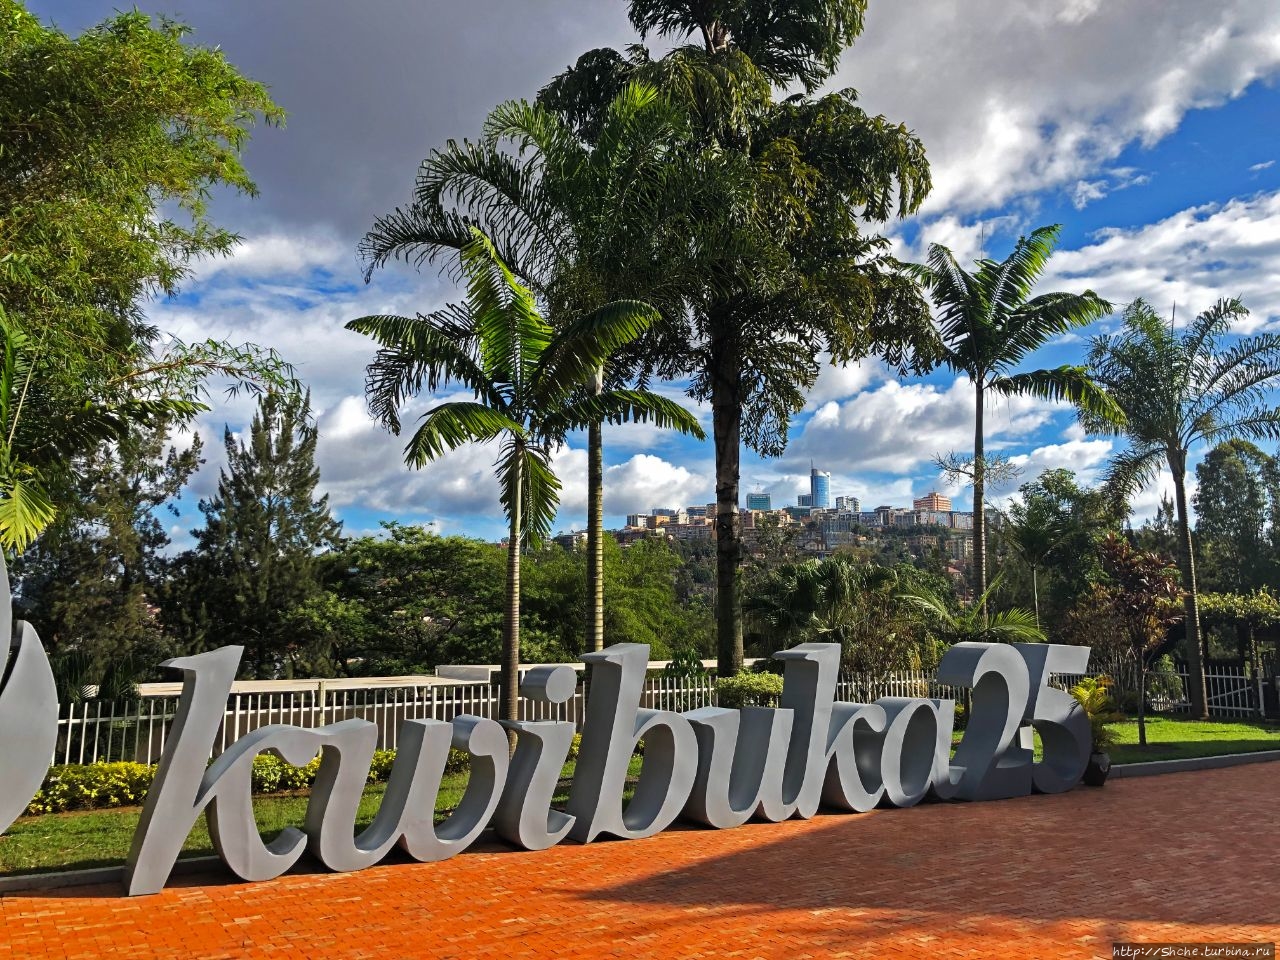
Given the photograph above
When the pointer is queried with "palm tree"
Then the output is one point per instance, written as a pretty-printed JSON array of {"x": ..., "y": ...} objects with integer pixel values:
[
  {"x": 1179, "y": 389},
  {"x": 785, "y": 262},
  {"x": 971, "y": 624},
  {"x": 577, "y": 222},
  {"x": 527, "y": 381},
  {"x": 988, "y": 324}
]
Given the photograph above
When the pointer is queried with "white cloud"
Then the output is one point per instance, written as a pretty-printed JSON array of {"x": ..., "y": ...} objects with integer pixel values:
[
  {"x": 1191, "y": 258},
  {"x": 646, "y": 481},
  {"x": 1086, "y": 192},
  {"x": 898, "y": 427},
  {"x": 840, "y": 382},
  {"x": 1085, "y": 458},
  {"x": 1014, "y": 98},
  {"x": 1264, "y": 165},
  {"x": 276, "y": 253}
]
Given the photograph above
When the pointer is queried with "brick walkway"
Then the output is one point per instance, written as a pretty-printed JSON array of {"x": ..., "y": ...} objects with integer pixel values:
[{"x": 1188, "y": 857}]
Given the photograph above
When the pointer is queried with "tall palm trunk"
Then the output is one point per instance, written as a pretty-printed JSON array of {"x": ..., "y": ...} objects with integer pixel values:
[
  {"x": 979, "y": 496},
  {"x": 726, "y": 417},
  {"x": 1035, "y": 593},
  {"x": 509, "y": 704},
  {"x": 595, "y": 527},
  {"x": 1187, "y": 564}
]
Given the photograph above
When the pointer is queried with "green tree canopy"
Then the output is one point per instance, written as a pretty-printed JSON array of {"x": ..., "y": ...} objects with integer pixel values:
[
  {"x": 110, "y": 146},
  {"x": 1237, "y": 504},
  {"x": 1129, "y": 611},
  {"x": 1056, "y": 523},
  {"x": 776, "y": 210},
  {"x": 581, "y": 224},
  {"x": 841, "y": 600},
  {"x": 92, "y": 583}
]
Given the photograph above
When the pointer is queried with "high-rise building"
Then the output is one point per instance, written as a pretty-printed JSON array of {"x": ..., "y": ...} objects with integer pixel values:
[
  {"x": 759, "y": 501},
  {"x": 819, "y": 489},
  {"x": 804, "y": 500},
  {"x": 848, "y": 504},
  {"x": 934, "y": 502}
]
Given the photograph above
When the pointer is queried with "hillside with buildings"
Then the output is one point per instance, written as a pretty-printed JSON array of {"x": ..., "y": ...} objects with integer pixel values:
[{"x": 817, "y": 525}]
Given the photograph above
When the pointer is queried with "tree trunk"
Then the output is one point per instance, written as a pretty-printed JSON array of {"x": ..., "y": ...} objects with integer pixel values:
[
  {"x": 1142, "y": 700},
  {"x": 1255, "y": 667},
  {"x": 508, "y": 707},
  {"x": 1191, "y": 604},
  {"x": 715, "y": 37},
  {"x": 979, "y": 495},
  {"x": 1035, "y": 594},
  {"x": 595, "y": 528},
  {"x": 726, "y": 414}
]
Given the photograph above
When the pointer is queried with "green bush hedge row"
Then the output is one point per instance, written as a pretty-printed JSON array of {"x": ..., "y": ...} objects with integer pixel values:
[
  {"x": 749, "y": 690},
  {"x": 95, "y": 786}
]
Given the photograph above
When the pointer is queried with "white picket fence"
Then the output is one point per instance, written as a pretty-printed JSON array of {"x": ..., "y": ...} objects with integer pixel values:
[{"x": 136, "y": 729}]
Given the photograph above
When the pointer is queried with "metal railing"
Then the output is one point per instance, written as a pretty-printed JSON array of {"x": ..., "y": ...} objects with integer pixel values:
[{"x": 94, "y": 730}]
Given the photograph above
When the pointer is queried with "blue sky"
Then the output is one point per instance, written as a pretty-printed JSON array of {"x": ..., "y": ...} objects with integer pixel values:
[{"x": 1147, "y": 128}]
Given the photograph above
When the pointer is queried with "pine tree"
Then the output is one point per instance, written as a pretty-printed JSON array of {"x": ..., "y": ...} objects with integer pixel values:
[
  {"x": 90, "y": 584},
  {"x": 256, "y": 560}
]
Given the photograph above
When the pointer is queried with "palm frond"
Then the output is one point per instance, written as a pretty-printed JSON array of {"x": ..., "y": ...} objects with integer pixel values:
[
  {"x": 621, "y": 406},
  {"x": 25, "y": 510},
  {"x": 421, "y": 353},
  {"x": 450, "y": 425},
  {"x": 511, "y": 333},
  {"x": 1209, "y": 325},
  {"x": 582, "y": 347},
  {"x": 1011, "y": 282},
  {"x": 1131, "y": 470},
  {"x": 1048, "y": 315},
  {"x": 1014, "y": 626},
  {"x": 1257, "y": 424},
  {"x": 1066, "y": 383},
  {"x": 527, "y": 467}
]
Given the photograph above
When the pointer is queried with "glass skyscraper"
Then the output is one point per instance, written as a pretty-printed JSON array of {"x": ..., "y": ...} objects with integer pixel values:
[{"x": 819, "y": 489}]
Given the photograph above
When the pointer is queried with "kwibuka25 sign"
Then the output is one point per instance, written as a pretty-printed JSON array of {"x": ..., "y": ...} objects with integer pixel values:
[{"x": 714, "y": 766}]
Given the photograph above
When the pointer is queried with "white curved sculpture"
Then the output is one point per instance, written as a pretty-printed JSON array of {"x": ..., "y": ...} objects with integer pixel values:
[{"x": 715, "y": 766}]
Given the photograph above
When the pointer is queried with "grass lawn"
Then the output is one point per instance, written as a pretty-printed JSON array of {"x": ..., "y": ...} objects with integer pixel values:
[
  {"x": 1175, "y": 738},
  {"x": 81, "y": 839}
]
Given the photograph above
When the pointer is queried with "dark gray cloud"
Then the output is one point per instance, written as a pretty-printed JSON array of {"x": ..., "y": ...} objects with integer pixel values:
[{"x": 371, "y": 87}]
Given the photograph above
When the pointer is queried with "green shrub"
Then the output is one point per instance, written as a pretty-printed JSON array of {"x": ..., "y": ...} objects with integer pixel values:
[
  {"x": 79, "y": 787},
  {"x": 95, "y": 786},
  {"x": 749, "y": 690},
  {"x": 380, "y": 768},
  {"x": 458, "y": 762},
  {"x": 1093, "y": 695}
]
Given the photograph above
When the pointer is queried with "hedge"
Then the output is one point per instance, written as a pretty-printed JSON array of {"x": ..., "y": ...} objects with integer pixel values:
[
  {"x": 749, "y": 690},
  {"x": 97, "y": 786}
]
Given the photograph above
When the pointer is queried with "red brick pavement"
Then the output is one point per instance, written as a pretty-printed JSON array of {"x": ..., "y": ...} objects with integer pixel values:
[{"x": 1188, "y": 857}]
